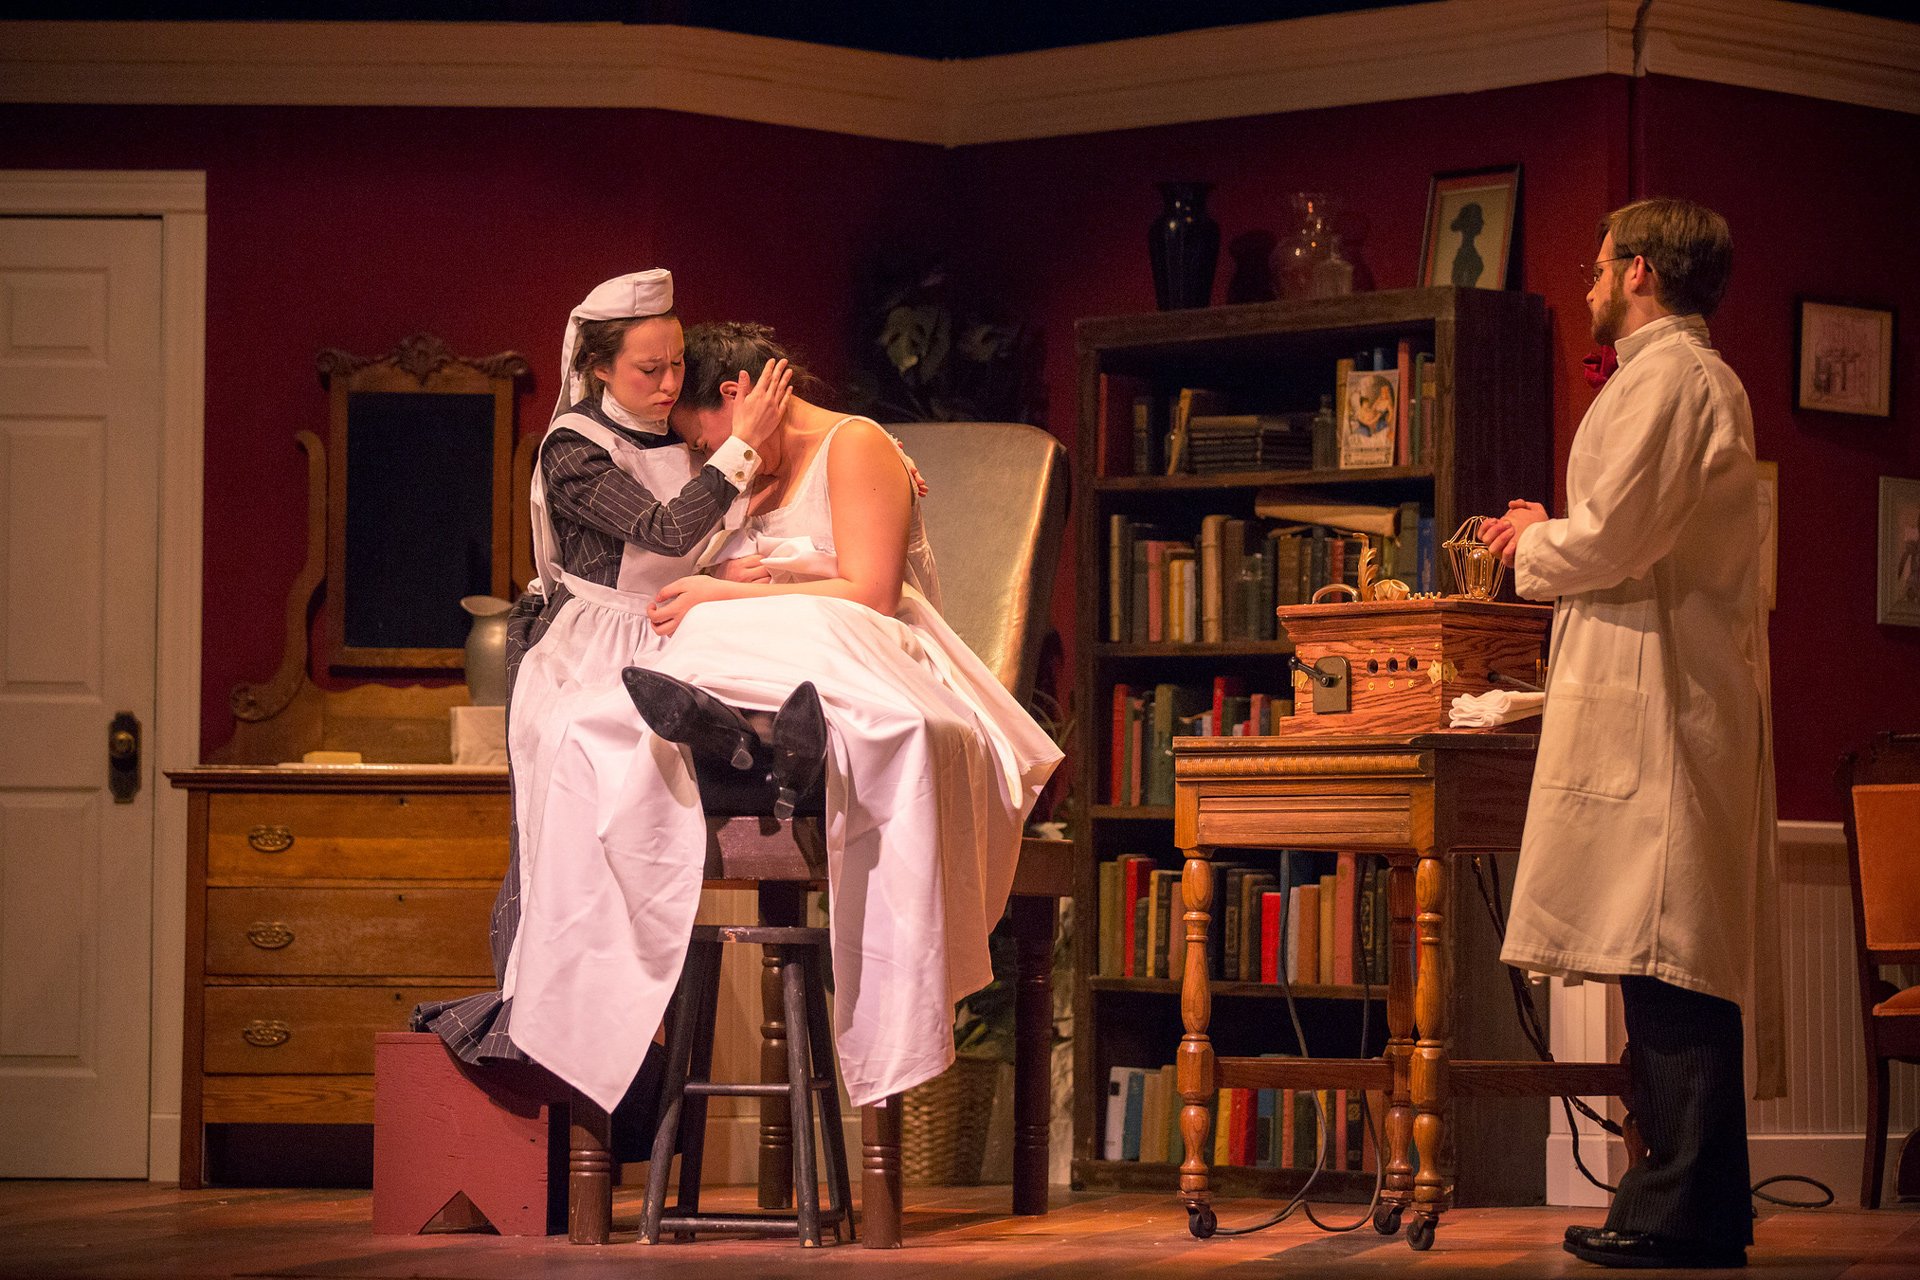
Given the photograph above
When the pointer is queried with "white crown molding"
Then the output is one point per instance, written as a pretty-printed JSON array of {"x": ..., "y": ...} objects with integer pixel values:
[
  {"x": 102, "y": 192},
  {"x": 1415, "y": 51}
]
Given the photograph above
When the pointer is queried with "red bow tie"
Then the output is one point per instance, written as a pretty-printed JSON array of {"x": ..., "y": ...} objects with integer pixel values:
[{"x": 1599, "y": 366}]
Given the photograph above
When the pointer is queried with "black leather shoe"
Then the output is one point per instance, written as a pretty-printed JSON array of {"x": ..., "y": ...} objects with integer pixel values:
[
  {"x": 1580, "y": 1235},
  {"x": 799, "y": 748},
  {"x": 679, "y": 712},
  {"x": 1637, "y": 1249}
]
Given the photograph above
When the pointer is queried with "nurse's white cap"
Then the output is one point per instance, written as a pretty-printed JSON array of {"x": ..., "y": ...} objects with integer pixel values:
[{"x": 639, "y": 293}]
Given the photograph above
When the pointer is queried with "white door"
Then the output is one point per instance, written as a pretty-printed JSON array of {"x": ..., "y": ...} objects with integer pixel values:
[{"x": 80, "y": 418}]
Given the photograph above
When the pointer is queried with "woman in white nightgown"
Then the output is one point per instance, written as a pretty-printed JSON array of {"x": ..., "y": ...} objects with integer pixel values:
[{"x": 931, "y": 766}]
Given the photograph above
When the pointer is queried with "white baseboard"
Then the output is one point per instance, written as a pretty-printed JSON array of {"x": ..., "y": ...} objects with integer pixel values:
[{"x": 163, "y": 1148}]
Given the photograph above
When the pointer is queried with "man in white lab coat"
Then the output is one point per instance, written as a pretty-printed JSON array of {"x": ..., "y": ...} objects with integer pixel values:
[{"x": 1648, "y": 857}]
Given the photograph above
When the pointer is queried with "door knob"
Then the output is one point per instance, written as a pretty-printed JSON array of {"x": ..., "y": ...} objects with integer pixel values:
[{"x": 123, "y": 757}]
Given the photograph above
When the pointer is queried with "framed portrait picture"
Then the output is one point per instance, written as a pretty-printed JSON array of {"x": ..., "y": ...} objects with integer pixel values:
[
  {"x": 1369, "y": 414},
  {"x": 1845, "y": 359},
  {"x": 1899, "y": 595},
  {"x": 1470, "y": 219}
]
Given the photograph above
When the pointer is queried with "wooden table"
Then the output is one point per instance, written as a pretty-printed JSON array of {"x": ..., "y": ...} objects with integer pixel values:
[{"x": 1422, "y": 801}]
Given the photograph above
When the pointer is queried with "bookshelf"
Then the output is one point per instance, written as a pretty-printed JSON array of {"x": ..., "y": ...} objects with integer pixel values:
[{"x": 1483, "y": 437}]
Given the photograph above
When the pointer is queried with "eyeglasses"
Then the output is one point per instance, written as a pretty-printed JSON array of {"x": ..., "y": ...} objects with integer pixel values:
[{"x": 1590, "y": 272}]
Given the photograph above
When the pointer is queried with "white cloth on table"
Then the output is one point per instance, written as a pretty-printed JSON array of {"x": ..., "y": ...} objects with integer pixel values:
[{"x": 1494, "y": 707}]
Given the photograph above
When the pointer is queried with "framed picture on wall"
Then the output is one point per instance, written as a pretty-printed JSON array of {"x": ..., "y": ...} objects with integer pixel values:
[
  {"x": 1470, "y": 220},
  {"x": 1844, "y": 360},
  {"x": 1899, "y": 595}
]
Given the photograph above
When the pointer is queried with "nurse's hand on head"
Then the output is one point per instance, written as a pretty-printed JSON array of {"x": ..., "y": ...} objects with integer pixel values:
[
  {"x": 761, "y": 403},
  {"x": 680, "y": 595}
]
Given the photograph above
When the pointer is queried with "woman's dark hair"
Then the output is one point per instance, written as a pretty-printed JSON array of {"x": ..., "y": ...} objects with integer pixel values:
[
  {"x": 600, "y": 341},
  {"x": 720, "y": 350}
]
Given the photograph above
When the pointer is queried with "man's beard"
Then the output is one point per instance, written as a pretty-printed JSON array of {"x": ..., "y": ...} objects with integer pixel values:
[{"x": 1612, "y": 315}]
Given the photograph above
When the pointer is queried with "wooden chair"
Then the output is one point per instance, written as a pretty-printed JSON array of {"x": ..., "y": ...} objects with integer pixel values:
[
  {"x": 995, "y": 515},
  {"x": 1881, "y": 784}
]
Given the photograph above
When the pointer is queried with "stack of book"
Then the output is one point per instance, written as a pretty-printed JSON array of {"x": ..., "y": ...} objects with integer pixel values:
[
  {"x": 1145, "y": 723},
  {"x": 1315, "y": 920},
  {"x": 1249, "y": 442},
  {"x": 1250, "y": 1128}
]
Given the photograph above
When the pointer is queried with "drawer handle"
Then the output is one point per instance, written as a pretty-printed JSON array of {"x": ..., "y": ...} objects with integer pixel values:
[
  {"x": 263, "y": 1033},
  {"x": 269, "y": 935},
  {"x": 270, "y": 839}
]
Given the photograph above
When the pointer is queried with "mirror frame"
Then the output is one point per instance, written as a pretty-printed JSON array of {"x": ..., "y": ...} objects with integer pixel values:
[{"x": 420, "y": 364}]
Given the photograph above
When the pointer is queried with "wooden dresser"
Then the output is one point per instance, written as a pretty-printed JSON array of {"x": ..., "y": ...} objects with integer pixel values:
[{"x": 323, "y": 903}]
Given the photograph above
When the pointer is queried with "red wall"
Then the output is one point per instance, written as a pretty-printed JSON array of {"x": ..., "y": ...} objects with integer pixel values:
[{"x": 351, "y": 228}]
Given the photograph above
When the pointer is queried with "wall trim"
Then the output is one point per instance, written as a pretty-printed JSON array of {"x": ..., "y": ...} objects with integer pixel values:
[
  {"x": 179, "y": 200},
  {"x": 1330, "y": 60}
]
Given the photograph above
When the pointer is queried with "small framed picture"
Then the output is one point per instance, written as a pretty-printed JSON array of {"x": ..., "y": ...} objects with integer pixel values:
[
  {"x": 1899, "y": 595},
  {"x": 1845, "y": 359},
  {"x": 1470, "y": 219},
  {"x": 1369, "y": 414}
]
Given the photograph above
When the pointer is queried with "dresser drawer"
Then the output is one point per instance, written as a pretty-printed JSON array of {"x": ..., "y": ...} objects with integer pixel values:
[
  {"x": 305, "y": 1030},
  {"x": 256, "y": 836},
  {"x": 408, "y": 931}
]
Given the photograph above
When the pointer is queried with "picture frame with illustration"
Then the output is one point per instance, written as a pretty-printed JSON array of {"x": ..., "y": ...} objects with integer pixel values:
[
  {"x": 1898, "y": 597},
  {"x": 1471, "y": 217},
  {"x": 1368, "y": 417},
  {"x": 1843, "y": 358}
]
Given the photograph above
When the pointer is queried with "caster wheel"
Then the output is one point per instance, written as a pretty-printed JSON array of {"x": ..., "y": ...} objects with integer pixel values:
[
  {"x": 1201, "y": 1222},
  {"x": 1386, "y": 1219},
  {"x": 1420, "y": 1235}
]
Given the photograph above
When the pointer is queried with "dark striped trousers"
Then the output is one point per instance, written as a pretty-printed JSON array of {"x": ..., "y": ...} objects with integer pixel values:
[{"x": 1689, "y": 1100}]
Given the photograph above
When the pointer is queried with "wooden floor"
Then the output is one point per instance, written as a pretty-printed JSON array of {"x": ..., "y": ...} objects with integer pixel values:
[{"x": 57, "y": 1231}]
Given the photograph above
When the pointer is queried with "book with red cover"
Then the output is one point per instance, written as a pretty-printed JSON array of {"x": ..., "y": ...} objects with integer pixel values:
[
  {"x": 1156, "y": 590},
  {"x": 1133, "y": 884},
  {"x": 1117, "y": 747},
  {"x": 1287, "y": 1133},
  {"x": 1246, "y": 1118},
  {"x": 1224, "y": 687},
  {"x": 1270, "y": 904},
  {"x": 1345, "y": 919},
  {"x": 1338, "y": 1118}
]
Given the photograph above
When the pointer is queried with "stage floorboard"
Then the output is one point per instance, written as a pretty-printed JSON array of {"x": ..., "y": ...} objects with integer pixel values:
[{"x": 139, "y": 1231}]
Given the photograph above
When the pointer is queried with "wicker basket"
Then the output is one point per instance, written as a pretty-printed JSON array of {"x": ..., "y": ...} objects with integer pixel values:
[{"x": 943, "y": 1125}]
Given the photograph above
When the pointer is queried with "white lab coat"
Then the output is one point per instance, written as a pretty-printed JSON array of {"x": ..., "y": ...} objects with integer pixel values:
[{"x": 1650, "y": 835}]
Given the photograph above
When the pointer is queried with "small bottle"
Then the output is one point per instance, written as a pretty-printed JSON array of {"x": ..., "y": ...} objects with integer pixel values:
[{"x": 1326, "y": 454}]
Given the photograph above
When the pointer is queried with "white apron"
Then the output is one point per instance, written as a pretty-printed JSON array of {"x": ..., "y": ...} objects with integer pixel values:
[
  {"x": 597, "y": 633},
  {"x": 1650, "y": 833},
  {"x": 931, "y": 771}
]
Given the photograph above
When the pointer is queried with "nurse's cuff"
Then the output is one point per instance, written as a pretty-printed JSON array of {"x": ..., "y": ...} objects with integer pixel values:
[{"x": 738, "y": 461}]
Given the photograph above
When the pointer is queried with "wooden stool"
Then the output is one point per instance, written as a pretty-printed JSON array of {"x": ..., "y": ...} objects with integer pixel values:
[
  {"x": 810, "y": 1090},
  {"x": 443, "y": 1130}
]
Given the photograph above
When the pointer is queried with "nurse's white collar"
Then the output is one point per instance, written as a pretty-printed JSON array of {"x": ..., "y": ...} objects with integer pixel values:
[
  {"x": 1653, "y": 331},
  {"x": 622, "y": 417}
]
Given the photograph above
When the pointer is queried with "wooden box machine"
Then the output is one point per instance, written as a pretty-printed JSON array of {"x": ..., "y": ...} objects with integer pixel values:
[{"x": 1395, "y": 666}]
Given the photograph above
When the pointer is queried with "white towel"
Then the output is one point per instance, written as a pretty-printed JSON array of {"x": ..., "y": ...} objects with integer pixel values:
[{"x": 1494, "y": 707}]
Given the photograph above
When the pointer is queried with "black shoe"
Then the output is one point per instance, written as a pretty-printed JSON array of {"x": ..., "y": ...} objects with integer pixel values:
[
  {"x": 1580, "y": 1235},
  {"x": 679, "y": 712},
  {"x": 1638, "y": 1249},
  {"x": 799, "y": 748}
]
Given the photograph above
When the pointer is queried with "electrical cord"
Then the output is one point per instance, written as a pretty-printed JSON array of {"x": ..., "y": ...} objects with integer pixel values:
[{"x": 1299, "y": 1201}]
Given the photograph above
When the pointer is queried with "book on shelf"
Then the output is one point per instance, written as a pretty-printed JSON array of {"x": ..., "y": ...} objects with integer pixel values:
[
  {"x": 1291, "y": 506},
  {"x": 1113, "y": 1132},
  {"x": 1130, "y": 1124},
  {"x": 1324, "y": 964},
  {"x": 1149, "y": 435},
  {"x": 1165, "y": 884},
  {"x": 1188, "y": 402},
  {"x": 1343, "y": 916}
]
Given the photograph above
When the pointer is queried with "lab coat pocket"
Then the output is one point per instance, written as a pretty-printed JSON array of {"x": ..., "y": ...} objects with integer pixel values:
[{"x": 1590, "y": 740}]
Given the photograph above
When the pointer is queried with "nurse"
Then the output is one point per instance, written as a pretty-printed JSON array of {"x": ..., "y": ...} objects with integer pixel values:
[
  {"x": 1648, "y": 856},
  {"x": 621, "y": 506}
]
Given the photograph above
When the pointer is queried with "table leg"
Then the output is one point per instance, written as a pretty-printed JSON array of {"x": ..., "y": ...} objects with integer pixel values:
[
  {"x": 880, "y": 1174},
  {"x": 1433, "y": 1188},
  {"x": 1033, "y": 927},
  {"x": 781, "y": 902},
  {"x": 1195, "y": 1068},
  {"x": 1397, "y": 1193}
]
